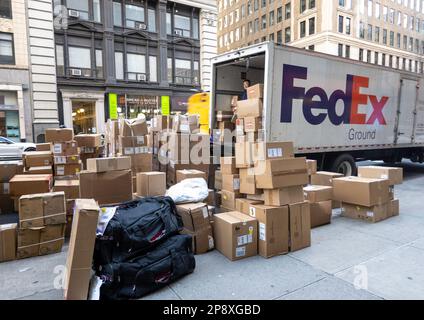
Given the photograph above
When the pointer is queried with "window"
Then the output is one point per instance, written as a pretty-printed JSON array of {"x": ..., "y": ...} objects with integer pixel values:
[
  {"x": 347, "y": 51},
  {"x": 340, "y": 50},
  {"x": 311, "y": 26},
  {"x": 405, "y": 42},
  {"x": 288, "y": 11},
  {"x": 377, "y": 10},
  {"x": 195, "y": 28},
  {"x": 302, "y": 6},
  {"x": 348, "y": 24},
  {"x": 60, "y": 61},
  {"x": 280, "y": 37},
  {"x": 79, "y": 5},
  {"x": 385, "y": 13},
  {"x": 377, "y": 34},
  {"x": 7, "y": 55},
  {"x": 398, "y": 40},
  {"x": 117, "y": 14},
  {"x": 341, "y": 24},
  {"x": 99, "y": 64},
  {"x": 256, "y": 25},
  {"x": 119, "y": 65},
  {"x": 391, "y": 61},
  {"x": 376, "y": 57},
  {"x": 136, "y": 64},
  {"x": 134, "y": 16},
  {"x": 182, "y": 26},
  {"x": 383, "y": 59},
  {"x": 169, "y": 23},
  {"x": 271, "y": 37},
  {"x": 271, "y": 18},
  {"x": 361, "y": 30},
  {"x": 80, "y": 58},
  {"x": 302, "y": 29},
  {"x": 385, "y": 36},
  {"x": 170, "y": 73},
  {"x": 153, "y": 69},
  {"x": 369, "y": 56},
  {"x": 151, "y": 14},
  {"x": 361, "y": 54},
  {"x": 287, "y": 35},
  {"x": 183, "y": 72},
  {"x": 369, "y": 8},
  {"x": 311, "y": 4},
  {"x": 256, "y": 5},
  {"x": 96, "y": 11},
  {"x": 279, "y": 14},
  {"x": 311, "y": 48},
  {"x": 369, "y": 34},
  {"x": 263, "y": 22},
  {"x": 263, "y": 3},
  {"x": 5, "y": 9}
]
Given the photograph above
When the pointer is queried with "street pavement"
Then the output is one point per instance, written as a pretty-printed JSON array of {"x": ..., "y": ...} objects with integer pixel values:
[{"x": 348, "y": 260}]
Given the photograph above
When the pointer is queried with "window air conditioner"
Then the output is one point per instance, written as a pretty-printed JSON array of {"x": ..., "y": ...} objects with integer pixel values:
[
  {"x": 141, "y": 77},
  {"x": 73, "y": 13},
  {"x": 76, "y": 72},
  {"x": 140, "y": 26}
]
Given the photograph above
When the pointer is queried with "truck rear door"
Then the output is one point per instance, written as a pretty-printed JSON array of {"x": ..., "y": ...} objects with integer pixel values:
[{"x": 407, "y": 111}]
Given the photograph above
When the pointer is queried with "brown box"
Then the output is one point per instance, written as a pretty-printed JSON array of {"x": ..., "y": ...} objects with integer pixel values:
[
  {"x": 228, "y": 199},
  {"x": 52, "y": 239},
  {"x": 318, "y": 193},
  {"x": 244, "y": 154},
  {"x": 231, "y": 182},
  {"x": 324, "y": 178},
  {"x": 373, "y": 213},
  {"x": 202, "y": 239},
  {"x": 228, "y": 165},
  {"x": 195, "y": 216},
  {"x": 190, "y": 174},
  {"x": 69, "y": 187},
  {"x": 81, "y": 249},
  {"x": 111, "y": 187},
  {"x": 151, "y": 184},
  {"x": 30, "y": 184},
  {"x": 108, "y": 164},
  {"x": 283, "y": 196},
  {"x": 249, "y": 108},
  {"x": 74, "y": 159},
  {"x": 218, "y": 180},
  {"x": 133, "y": 145},
  {"x": 394, "y": 175},
  {"x": 280, "y": 173},
  {"x": 258, "y": 197},
  {"x": 8, "y": 242},
  {"x": 255, "y": 92},
  {"x": 248, "y": 181},
  {"x": 39, "y": 170},
  {"x": 210, "y": 200},
  {"x": 43, "y": 147},
  {"x": 8, "y": 169},
  {"x": 312, "y": 166},
  {"x": 141, "y": 162},
  {"x": 394, "y": 208},
  {"x": 236, "y": 235},
  {"x": 273, "y": 226},
  {"x": 68, "y": 148},
  {"x": 40, "y": 241},
  {"x": 321, "y": 213},
  {"x": 59, "y": 135},
  {"x": 252, "y": 124},
  {"x": 67, "y": 169},
  {"x": 300, "y": 226},
  {"x": 244, "y": 205},
  {"x": 133, "y": 127},
  {"x": 37, "y": 159},
  {"x": 361, "y": 191},
  {"x": 273, "y": 150},
  {"x": 186, "y": 123},
  {"x": 160, "y": 123},
  {"x": 89, "y": 140}
]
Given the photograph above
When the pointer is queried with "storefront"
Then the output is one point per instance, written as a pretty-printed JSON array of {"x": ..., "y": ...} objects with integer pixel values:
[{"x": 10, "y": 120}]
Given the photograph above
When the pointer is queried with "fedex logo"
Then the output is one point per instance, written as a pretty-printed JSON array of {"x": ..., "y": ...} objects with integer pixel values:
[{"x": 317, "y": 105}]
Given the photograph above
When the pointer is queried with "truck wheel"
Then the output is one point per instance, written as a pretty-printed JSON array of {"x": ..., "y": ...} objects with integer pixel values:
[{"x": 344, "y": 164}]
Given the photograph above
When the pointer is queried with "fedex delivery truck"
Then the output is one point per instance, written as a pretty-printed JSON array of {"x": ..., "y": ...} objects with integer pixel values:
[{"x": 335, "y": 110}]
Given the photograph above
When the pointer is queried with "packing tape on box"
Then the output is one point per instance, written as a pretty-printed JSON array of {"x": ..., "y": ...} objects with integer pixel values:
[
  {"x": 41, "y": 243},
  {"x": 43, "y": 217}
]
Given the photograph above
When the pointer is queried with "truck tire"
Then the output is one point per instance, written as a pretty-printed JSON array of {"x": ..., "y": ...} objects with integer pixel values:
[{"x": 344, "y": 164}]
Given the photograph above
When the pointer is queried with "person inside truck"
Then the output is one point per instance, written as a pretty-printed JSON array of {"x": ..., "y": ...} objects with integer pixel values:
[{"x": 246, "y": 84}]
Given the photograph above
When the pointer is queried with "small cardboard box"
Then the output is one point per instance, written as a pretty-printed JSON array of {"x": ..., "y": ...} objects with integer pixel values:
[
  {"x": 300, "y": 226},
  {"x": 248, "y": 181},
  {"x": 249, "y": 108},
  {"x": 133, "y": 145},
  {"x": 256, "y": 91},
  {"x": 312, "y": 166},
  {"x": 190, "y": 174},
  {"x": 252, "y": 124},
  {"x": 361, "y": 191},
  {"x": 141, "y": 162},
  {"x": 218, "y": 180},
  {"x": 69, "y": 148},
  {"x": 39, "y": 170},
  {"x": 67, "y": 169},
  {"x": 283, "y": 196},
  {"x": 318, "y": 193},
  {"x": 324, "y": 178},
  {"x": 231, "y": 182},
  {"x": 372, "y": 214},
  {"x": 244, "y": 154},
  {"x": 228, "y": 165},
  {"x": 74, "y": 159},
  {"x": 133, "y": 127},
  {"x": 273, "y": 150},
  {"x": 43, "y": 147},
  {"x": 280, "y": 173},
  {"x": 202, "y": 239},
  {"x": 59, "y": 135},
  {"x": 81, "y": 248},
  {"x": 394, "y": 208},
  {"x": 394, "y": 175},
  {"x": 273, "y": 225},
  {"x": 8, "y": 233},
  {"x": 8, "y": 169},
  {"x": 108, "y": 164},
  {"x": 151, "y": 184},
  {"x": 244, "y": 205},
  {"x": 30, "y": 184},
  {"x": 321, "y": 213},
  {"x": 228, "y": 199},
  {"x": 236, "y": 235},
  {"x": 195, "y": 216},
  {"x": 69, "y": 187},
  {"x": 89, "y": 140},
  {"x": 37, "y": 159}
]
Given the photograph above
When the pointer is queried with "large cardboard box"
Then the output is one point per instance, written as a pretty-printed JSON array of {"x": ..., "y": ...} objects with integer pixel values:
[
  {"x": 312, "y": 166},
  {"x": 273, "y": 150},
  {"x": 69, "y": 187},
  {"x": 372, "y": 214},
  {"x": 81, "y": 248},
  {"x": 273, "y": 225},
  {"x": 40, "y": 241},
  {"x": 244, "y": 205},
  {"x": 30, "y": 184},
  {"x": 68, "y": 148},
  {"x": 71, "y": 169},
  {"x": 39, "y": 170},
  {"x": 248, "y": 181},
  {"x": 283, "y": 196},
  {"x": 244, "y": 154},
  {"x": 300, "y": 226},
  {"x": 133, "y": 145},
  {"x": 394, "y": 175},
  {"x": 249, "y": 108},
  {"x": 37, "y": 159},
  {"x": 74, "y": 159},
  {"x": 8, "y": 169},
  {"x": 318, "y": 193},
  {"x": 361, "y": 191},
  {"x": 190, "y": 174},
  {"x": 228, "y": 199},
  {"x": 43, "y": 147},
  {"x": 108, "y": 164},
  {"x": 236, "y": 235},
  {"x": 231, "y": 182},
  {"x": 280, "y": 173},
  {"x": 324, "y": 178},
  {"x": 133, "y": 127},
  {"x": 255, "y": 92},
  {"x": 151, "y": 184},
  {"x": 202, "y": 239},
  {"x": 59, "y": 135},
  {"x": 142, "y": 162},
  {"x": 8, "y": 242},
  {"x": 89, "y": 140},
  {"x": 228, "y": 165},
  {"x": 195, "y": 216},
  {"x": 321, "y": 213},
  {"x": 111, "y": 187}
]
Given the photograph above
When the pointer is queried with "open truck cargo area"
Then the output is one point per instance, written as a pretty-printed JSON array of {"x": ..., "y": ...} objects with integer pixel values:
[{"x": 335, "y": 110}]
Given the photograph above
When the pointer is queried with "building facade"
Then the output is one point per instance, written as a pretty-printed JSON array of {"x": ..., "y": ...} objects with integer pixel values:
[
  {"x": 384, "y": 32},
  {"x": 122, "y": 58}
]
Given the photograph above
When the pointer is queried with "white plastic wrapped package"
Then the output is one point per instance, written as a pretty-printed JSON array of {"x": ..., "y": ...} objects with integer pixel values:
[{"x": 189, "y": 190}]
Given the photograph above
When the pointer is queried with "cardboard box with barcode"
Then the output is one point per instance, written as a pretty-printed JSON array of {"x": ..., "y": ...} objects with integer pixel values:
[
  {"x": 8, "y": 239},
  {"x": 89, "y": 140},
  {"x": 73, "y": 159},
  {"x": 195, "y": 216},
  {"x": 59, "y": 135},
  {"x": 133, "y": 145},
  {"x": 108, "y": 164},
  {"x": 299, "y": 226},
  {"x": 68, "y": 148},
  {"x": 231, "y": 182},
  {"x": 283, "y": 196},
  {"x": 203, "y": 240},
  {"x": 236, "y": 235},
  {"x": 151, "y": 184},
  {"x": 375, "y": 213},
  {"x": 37, "y": 159},
  {"x": 69, "y": 169},
  {"x": 394, "y": 175},
  {"x": 186, "y": 123},
  {"x": 30, "y": 184},
  {"x": 190, "y": 174}
]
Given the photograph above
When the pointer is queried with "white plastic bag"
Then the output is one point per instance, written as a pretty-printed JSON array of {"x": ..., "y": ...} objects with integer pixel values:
[{"x": 189, "y": 190}]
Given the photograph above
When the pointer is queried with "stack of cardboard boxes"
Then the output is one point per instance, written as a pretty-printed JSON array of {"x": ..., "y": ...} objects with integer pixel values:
[
  {"x": 320, "y": 200},
  {"x": 228, "y": 181},
  {"x": 225, "y": 125},
  {"x": 8, "y": 169},
  {"x": 26, "y": 184},
  {"x": 71, "y": 190},
  {"x": 38, "y": 162},
  {"x": 325, "y": 178},
  {"x": 91, "y": 146},
  {"x": 160, "y": 126},
  {"x": 112, "y": 137}
]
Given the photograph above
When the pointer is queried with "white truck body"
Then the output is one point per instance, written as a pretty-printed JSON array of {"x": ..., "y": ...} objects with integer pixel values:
[{"x": 324, "y": 103}]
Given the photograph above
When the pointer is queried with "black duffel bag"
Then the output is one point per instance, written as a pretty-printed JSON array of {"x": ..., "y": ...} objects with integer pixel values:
[
  {"x": 139, "y": 276},
  {"x": 136, "y": 227}
]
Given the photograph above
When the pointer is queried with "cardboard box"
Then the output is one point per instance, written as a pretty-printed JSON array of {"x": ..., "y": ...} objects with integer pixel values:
[
  {"x": 8, "y": 169},
  {"x": 249, "y": 108},
  {"x": 252, "y": 124},
  {"x": 59, "y": 135},
  {"x": 195, "y": 216},
  {"x": 283, "y": 196},
  {"x": 312, "y": 166},
  {"x": 67, "y": 169},
  {"x": 111, "y": 187},
  {"x": 228, "y": 165},
  {"x": 141, "y": 162},
  {"x": 273, "y": 225},
  {"x": 202, "y": 239},
  {"x": 133, "y": 127},
  {"x": 74, "y": 159},
  {"x": 43, "y": 147},
  {"x": 190, "y": 174},
  {"x": 240, "y": 127},
  {"x": 318, "y": 193},
  {"x": 248, "y": 181},
  {"x": 6, "y": 204},
  {"x": 228, "y": 199},
  {"x": 231, "y": 182},
  {"x": 81, "y": 247},
  {"x": 321, "y": 213},
  {"x": 361, "y": 191},
  {"x": 280, "y": 173},
  {"x": 52, "y": 239},
  {"x": 236, "y": 235},
  {"x": 244, "y": 154},
  {"x": 108, "y": 164},
  {"x": 373, "y": 213},
  {"x": 8, "y": 242},
  {"x": 186, "y": 123},
  {"x": 218, "y": 180},
  {"x": 324, "y": 178},
  {"x": 69, "y": 187},
  {"x": 30, "y": 184},
  {"x": 300, "y": 226},
  {"x": 244, "y": 205},
  {"x": 39, "y": 170},
  {"x": 89, "y": 140},
  {"x": 40, "y": 241},
  {"x": 37, "y": 159},
  {"x": 394, "y": 175},
  {"x": 258, "y": 197},
  {"x": 273, "y": 150},
  {"x": 172, "y": 168},
  {"x": 68, "y": 148},
  {"x": 394, "y": 208},
  {"x": 255, "y": 92},
  {"x": 133, "y": 145},
  {"x": 160, "y": 123},
  {"x": 151, "y": 184}
]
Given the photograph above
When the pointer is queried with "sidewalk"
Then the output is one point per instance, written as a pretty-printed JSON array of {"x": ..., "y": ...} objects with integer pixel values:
[{"x": 390, "y": 253}]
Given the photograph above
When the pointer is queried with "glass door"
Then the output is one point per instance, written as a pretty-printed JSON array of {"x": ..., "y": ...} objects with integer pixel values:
[{"x": 84, "y": 117}]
